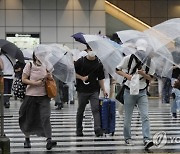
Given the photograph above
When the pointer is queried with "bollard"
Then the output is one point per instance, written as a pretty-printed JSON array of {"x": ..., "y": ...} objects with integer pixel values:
[
  {"x": 4, "y": 141},
  {"x": 5, "y": 144}
]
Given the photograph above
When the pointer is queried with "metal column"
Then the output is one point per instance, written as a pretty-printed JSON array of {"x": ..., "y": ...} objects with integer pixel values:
[{"x": 4, "y": 141}]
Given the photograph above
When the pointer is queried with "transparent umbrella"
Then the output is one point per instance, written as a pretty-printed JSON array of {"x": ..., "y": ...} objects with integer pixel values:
[
  {"x": 147, "y": 46},
  {"x": 108, "y": 52},
  {"x": 27, "y": 53},
  {"x": 58, "y": 57}
]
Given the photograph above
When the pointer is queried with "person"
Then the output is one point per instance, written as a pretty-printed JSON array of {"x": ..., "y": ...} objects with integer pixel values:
[
  {"x": 7, "y": 64},
  {"x": 59, "y": 97},
  {"x": 18, "y": 69},
  {"x": 139, "y": 100},
  {"x": 166, "y": 90},
  {"x": 18, "y": 87},
  {"x": 34, "y": 113},
  {"x": 176, "y": 98},
  {"x": 89, "y": 75}
]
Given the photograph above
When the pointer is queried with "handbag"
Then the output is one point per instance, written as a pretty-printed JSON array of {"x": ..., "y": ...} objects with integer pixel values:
[
  {"x": 134, "y": 84},
  {"x": 120, "y": 94},
  {"x": 51, "y": 88},
  {"x": 19, "y": 88}
]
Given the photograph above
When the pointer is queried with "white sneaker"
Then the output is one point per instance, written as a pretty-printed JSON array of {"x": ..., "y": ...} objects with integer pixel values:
[{"x": 129, "y": 142}]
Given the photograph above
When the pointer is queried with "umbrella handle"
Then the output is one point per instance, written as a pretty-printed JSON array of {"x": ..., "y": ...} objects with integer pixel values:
[{"x": 86, "y": 83}]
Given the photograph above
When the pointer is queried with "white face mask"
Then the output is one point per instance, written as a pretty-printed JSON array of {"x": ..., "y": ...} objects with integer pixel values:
[{"x": 91, "y": 53}]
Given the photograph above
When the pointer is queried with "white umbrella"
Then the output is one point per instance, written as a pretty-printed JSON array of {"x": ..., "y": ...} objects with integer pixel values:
[
  {"x": 60, "y": 58},
  {"x": 27, "y": 53},
  {"x": 152, "y": 48},
  {"x": 108, "y": 52}
]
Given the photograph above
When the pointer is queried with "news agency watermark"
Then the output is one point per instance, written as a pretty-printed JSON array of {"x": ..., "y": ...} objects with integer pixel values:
[{"x": 160, "y": 139}]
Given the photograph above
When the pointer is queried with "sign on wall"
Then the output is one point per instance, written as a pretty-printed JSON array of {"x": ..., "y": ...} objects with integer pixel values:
[{"x": 24, "y": 40}]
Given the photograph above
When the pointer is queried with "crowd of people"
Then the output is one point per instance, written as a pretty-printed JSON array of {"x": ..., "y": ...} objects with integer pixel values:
[{"x": 35, "y": 111}]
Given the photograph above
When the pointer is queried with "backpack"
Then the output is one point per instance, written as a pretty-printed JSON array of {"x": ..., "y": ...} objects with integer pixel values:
[
  {"x": 120, "y": 93},
  {"x": 19, "y": 88}
]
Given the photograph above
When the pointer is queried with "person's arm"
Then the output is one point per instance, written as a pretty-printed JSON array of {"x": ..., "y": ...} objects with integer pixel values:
[
  {"x": 126, "y": 75},
  {"x": 83, "y": 78},
  {"x": 26, "y": 80},
  {"x": 1, "y": 64},
  {"x": 101, "y": 83},
  {"x": 146, "y": 76}
]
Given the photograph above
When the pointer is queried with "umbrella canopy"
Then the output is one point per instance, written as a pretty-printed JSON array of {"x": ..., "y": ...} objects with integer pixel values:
[
  {"x": 11, "y": 49},
  {"x": 27, "y": 53},
  {"x": 58, "y": 57},
  {"x": 146, "y": 45},
  {"x": 109, "y": 52},
  {"x": 79, "y": 37}
]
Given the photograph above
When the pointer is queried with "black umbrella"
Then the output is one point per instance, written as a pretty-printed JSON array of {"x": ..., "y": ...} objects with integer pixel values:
[
  {"x": 11, "y": 49},
  {"x": 79, "y": 38}
]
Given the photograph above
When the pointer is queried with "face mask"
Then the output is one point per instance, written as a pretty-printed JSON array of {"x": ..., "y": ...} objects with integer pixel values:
[{"x": 91, "y": 53}]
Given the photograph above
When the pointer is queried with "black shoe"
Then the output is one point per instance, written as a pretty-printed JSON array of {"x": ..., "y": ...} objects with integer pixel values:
[
  {"x": 174, "y": 115},
  {"x": 27, "y": 144},
  {"x": 148, "y": 144},
  {"x": 71, "y": 102},
  {"x": 79, "y": 134},
  {"x": 99, "y": 132},
  {"x": 6, "y": 104},
  {"x": 50, "y": 144},
  {"x": 58, "y": 108}
]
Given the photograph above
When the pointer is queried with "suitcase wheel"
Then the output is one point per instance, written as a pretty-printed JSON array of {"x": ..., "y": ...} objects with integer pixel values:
[{"x": 112, "y": 134}]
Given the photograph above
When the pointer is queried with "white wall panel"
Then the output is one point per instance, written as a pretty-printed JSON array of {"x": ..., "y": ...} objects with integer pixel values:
[
  {"x": 48, "y": 18},
  {"x": 64, "y": 34},
  {"x": 48, "y": 34},
  {"x": 97, "y": 18},
  {"x": 2, "y": 17},
  {"x": 31, "y": 4},
  {"x": 81, "y": 18},
  {"x": 65, "y": 4},
  {"x": 13, "y": 17},
  {"x": 2, "y": 32},
  {"x": 31, "y": 17},
  {"x": 48, "y": 4},
  {"x": 65, "y": 18},
  {"x": 13, "y": 4},
  {"x": 81, "y": 4}
]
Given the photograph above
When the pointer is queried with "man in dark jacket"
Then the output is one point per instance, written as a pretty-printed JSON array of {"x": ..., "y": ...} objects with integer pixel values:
[{"x": 89, "y": 75}]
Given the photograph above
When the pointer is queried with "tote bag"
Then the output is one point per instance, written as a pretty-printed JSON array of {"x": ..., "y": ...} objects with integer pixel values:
[
  {"x": 134, "y": 84},
  {"x": 51, "y": 88}
]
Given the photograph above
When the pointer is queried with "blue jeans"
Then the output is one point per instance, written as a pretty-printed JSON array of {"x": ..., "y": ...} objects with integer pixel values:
[{"x": 141, "y": 101}]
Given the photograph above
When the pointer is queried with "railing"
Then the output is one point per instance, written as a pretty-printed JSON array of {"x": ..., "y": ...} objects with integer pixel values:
[{"x": 125, "y": 17}]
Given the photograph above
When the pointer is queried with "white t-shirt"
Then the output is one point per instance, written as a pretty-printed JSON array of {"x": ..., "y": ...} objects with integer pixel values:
[
  {"x": 8, "y": 67},
  {"x": 123, "y": 65}
]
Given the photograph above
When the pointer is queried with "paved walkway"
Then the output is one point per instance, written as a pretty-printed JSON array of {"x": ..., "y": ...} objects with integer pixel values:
[{"x": 63, "y": 127}]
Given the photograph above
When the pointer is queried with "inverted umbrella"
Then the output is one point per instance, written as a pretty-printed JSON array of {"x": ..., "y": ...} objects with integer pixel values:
[
  {"x": 11, "y": 49},
  {"x": 60, "y": 58},
  {"x": 79, "y": 37},
  {"x": 146, "y": 46},
  {"x": 108, "y": 52}
]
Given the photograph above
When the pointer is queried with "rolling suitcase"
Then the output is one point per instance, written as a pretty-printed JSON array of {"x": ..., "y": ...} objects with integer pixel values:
[{"x": 108, "y": 115}]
